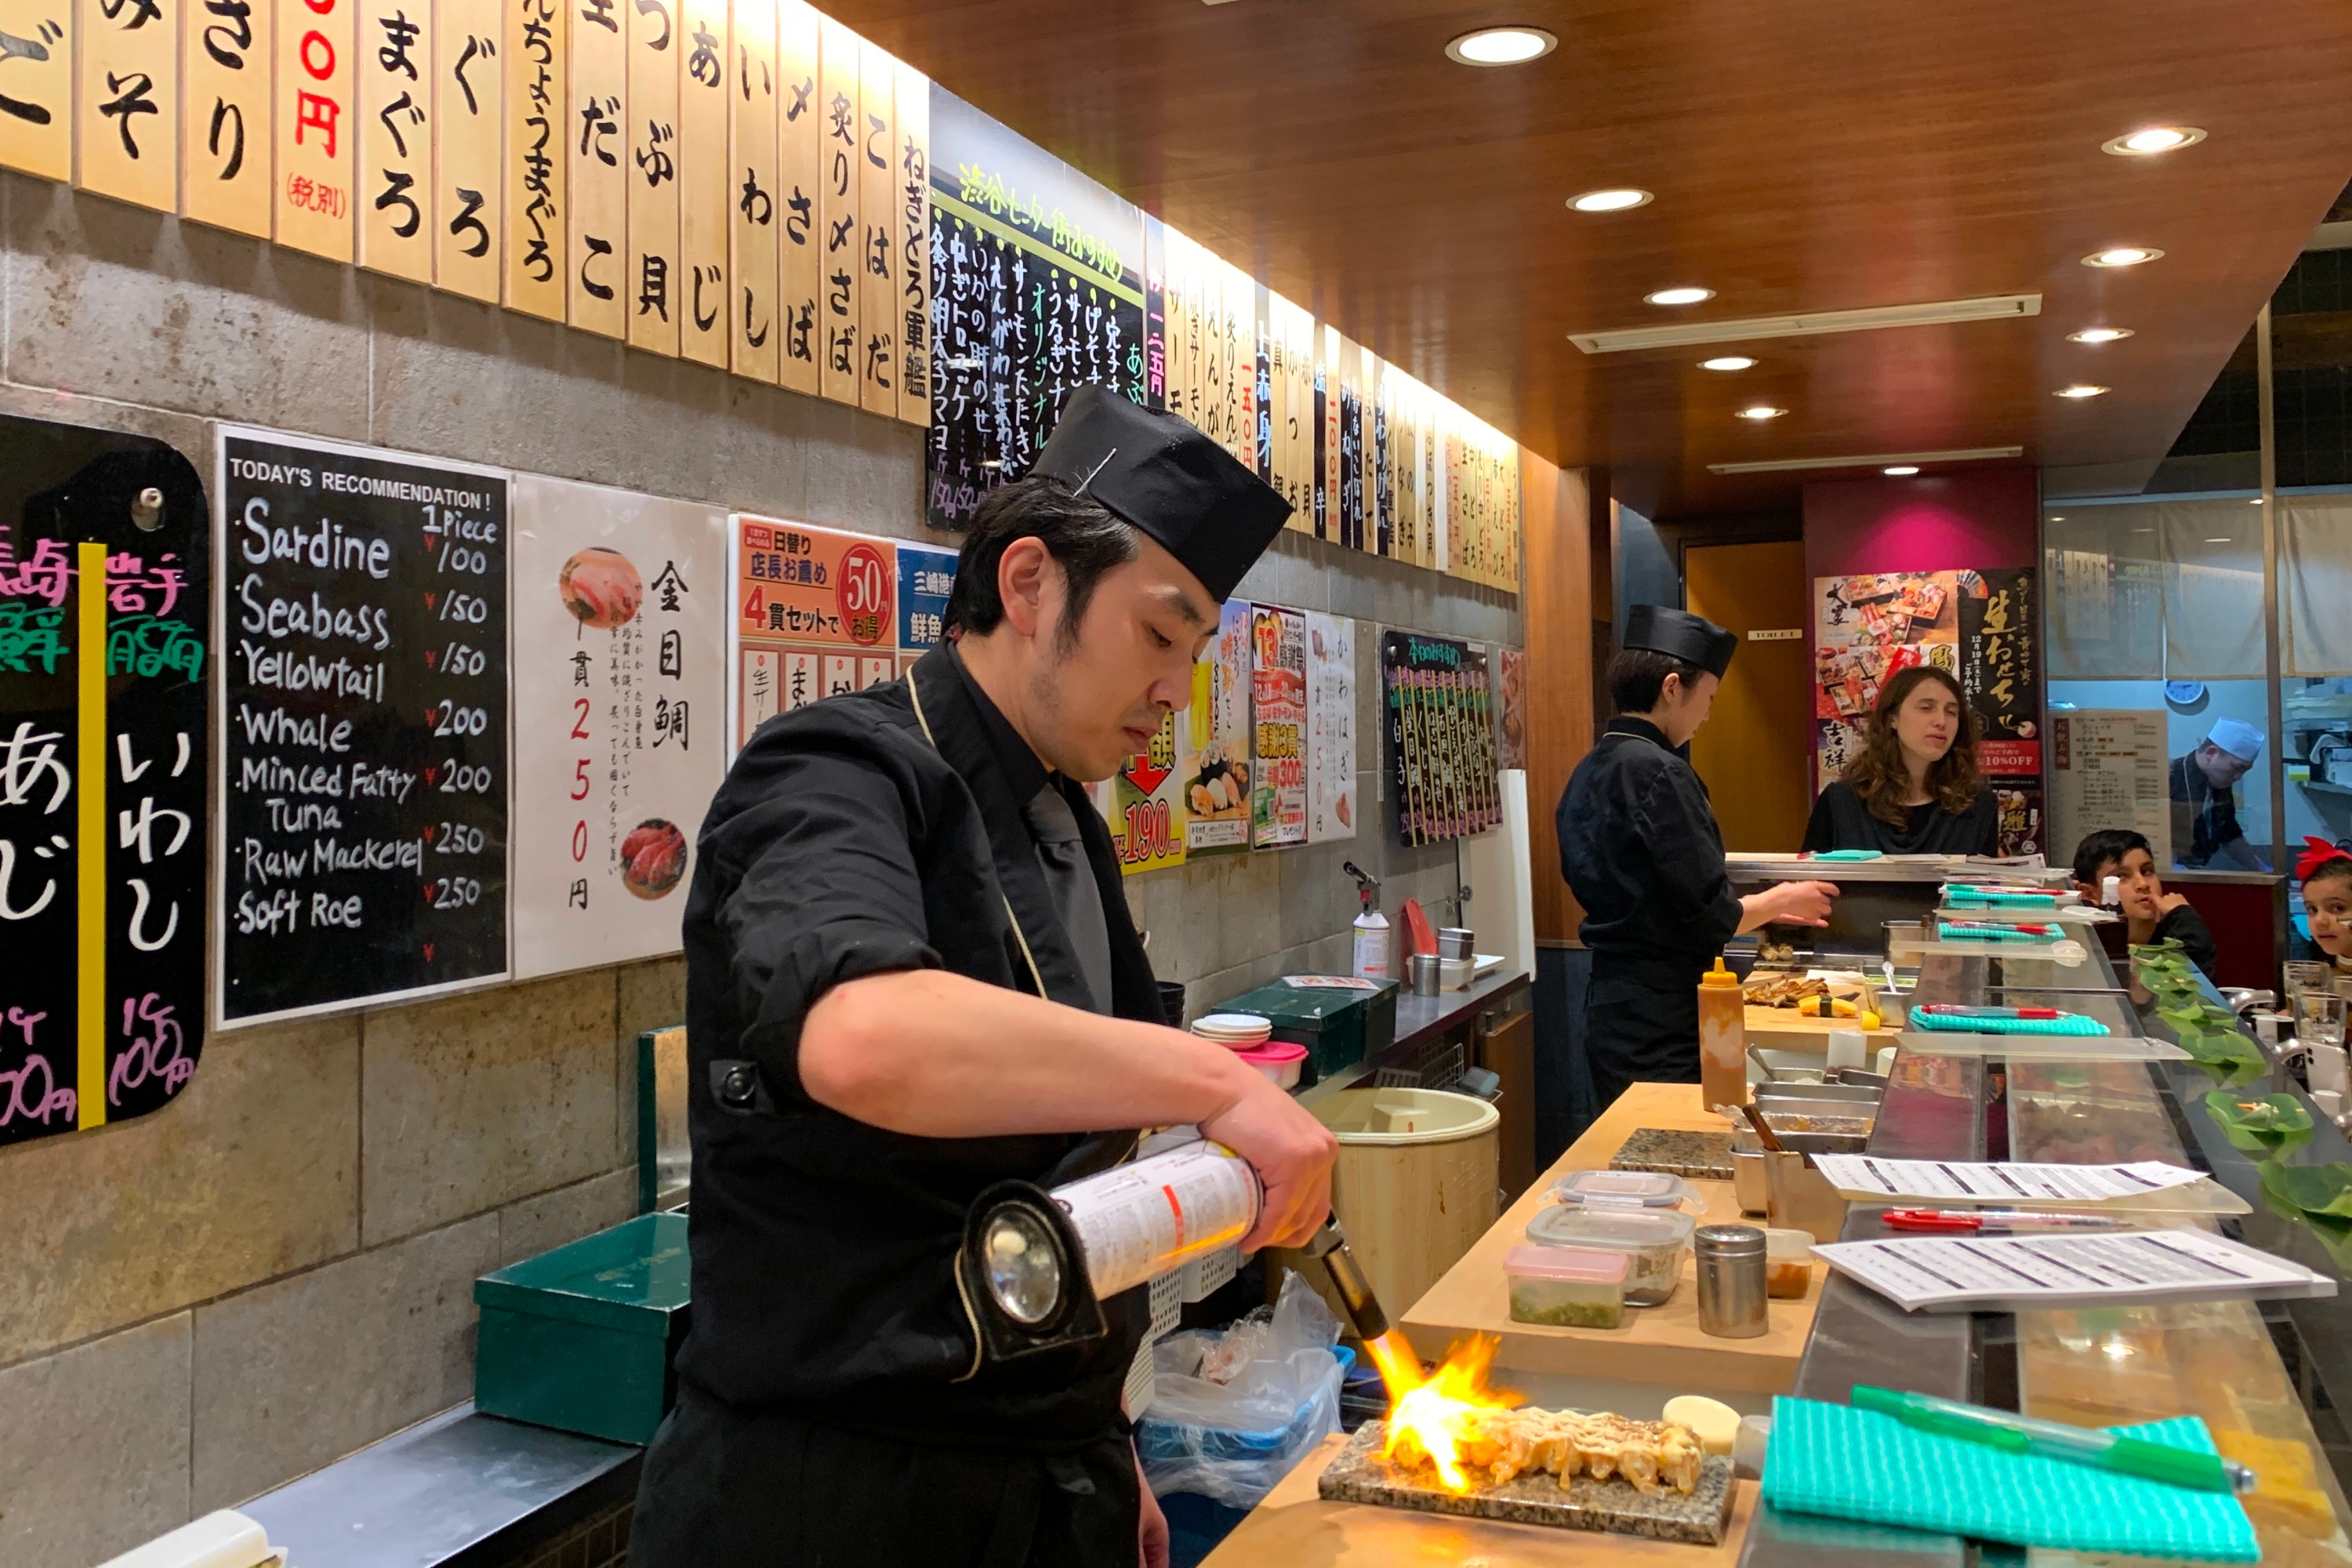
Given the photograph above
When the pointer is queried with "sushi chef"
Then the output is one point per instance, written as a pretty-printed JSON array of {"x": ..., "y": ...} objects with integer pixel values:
[
  {"x": 910, "y": 973},
  {"x": 1640, "y": 849}
]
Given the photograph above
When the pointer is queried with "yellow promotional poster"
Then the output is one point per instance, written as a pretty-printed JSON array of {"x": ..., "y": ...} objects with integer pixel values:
[{"x": 1147, "y": 813}]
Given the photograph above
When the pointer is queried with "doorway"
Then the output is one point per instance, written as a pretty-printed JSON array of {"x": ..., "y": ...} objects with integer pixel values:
[{"x": 1756, "y": 749}]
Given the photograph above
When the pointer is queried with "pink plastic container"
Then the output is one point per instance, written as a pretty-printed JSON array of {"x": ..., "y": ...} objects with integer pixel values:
[{"x": 1281, "y": 1060}]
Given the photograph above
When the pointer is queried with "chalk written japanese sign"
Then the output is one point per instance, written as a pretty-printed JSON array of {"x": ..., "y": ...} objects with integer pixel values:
[
  {"x": 363, "y": 769},
  {"x": 1037, "y": 288},
  {"x": 1278, "y": 725},
  {"x": 36, "y": 93},
  {"x": 815, "y": 615},
  {"x": 537, "y": 51},
  {"x": 317, "y": 143},
  {"x": 127, "y": 111},
  {"x": 1440, "y": 738},
  {"x": 1330, "y": 727},
  {"x": 926, "y": 577},
  {"x": 469, "y": 106},
  {"x": 620, "y": 690},
  {"x": 104, "y": 671}
]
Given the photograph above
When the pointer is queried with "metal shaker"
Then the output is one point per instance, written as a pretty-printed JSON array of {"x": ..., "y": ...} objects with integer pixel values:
[{"x": 1731, "y": 1281}]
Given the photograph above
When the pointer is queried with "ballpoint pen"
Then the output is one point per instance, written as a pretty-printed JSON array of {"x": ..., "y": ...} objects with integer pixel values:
[
  {"x": 2088, "y": 1446},
  {"x": 1996, "y": 1221}
]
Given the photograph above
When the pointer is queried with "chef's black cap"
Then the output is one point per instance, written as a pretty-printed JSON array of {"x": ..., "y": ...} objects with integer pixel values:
[
  {"x": 1159, "y": 473},
  {"x": 1694, "y": 639}
]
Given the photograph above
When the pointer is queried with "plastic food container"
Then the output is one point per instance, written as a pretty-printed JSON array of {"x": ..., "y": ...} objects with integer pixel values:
[
  {"x": 1788, "y": 1264},
  {"x": 1281, "y": 1060},
  {"x": 1623, "y": 1189},
  {"x": 1652, "y": 1242},
  {"x": 1236, "y": 1030},
  {"x": 1566, "y": 1287}
]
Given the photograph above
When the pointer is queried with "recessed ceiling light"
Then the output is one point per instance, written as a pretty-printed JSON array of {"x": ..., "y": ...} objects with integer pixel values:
[
  {"x": 1905, "y": 470},
  {"x": 2099, "y": 335},
  {"x": 2080, "y": 390},
  {"x": 2155, "y": 139},
  {"x": 1611, "y": 201},
  {"x": 2143, "y": 530},
  {"x": 1501, "y": 45},
  {"x": 1728, "y": 362},
  {"x": 1761, "y": 411},
  {"x": 2122, "y": 256},
  {"x": 2223, "y": 540},
  {"x": 1679, "y": 296},
  {"x": 2256, "y": 501}
]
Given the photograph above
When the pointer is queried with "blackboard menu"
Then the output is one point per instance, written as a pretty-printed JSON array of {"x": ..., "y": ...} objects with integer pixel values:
[
  {"x": 104, "y": 670},
  {"x": 1438, "y": 714},
  {"x": 1036, "y": 289},
  {"x": 363, "y": 711}
]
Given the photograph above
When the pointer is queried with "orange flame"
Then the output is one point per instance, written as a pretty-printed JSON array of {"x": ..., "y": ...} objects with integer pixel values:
[{"x": 1434, "y": 1419}]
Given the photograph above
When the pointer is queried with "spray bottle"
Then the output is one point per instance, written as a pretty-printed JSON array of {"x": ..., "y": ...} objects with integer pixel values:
[{"x": 1371, "y": 960}]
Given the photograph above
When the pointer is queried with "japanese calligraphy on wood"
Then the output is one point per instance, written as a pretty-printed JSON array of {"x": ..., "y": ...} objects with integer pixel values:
[
  {"x": 313, "y": 193},
  {"x": 877, "y": 246},
  {"x": 104, "y": 599},
  {"x": 397, "y": 130},
  {"x": 700, "y": 284},
  {"x": 470, "y": 113},
  {"x": 912, "y": 265},
  {"x": 839, "y": 190},
  {"x": 537, "y": 50},
  {"x": 751, "y": 177},
  {"x": 600, "y": 190},
  {"x": 37, "y": 92},
  {"x": 363, "y": 769},
  {"x": 654, "y": 47},
  {"x": 224, "y": 60},
  {"x": 128, "y": 119},
  {"x": 800, "y": 243},
  {"x": 620, "y": 690}
]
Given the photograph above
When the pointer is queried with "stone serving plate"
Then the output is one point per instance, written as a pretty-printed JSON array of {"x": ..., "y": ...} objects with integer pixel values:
[
  {"x": 1696, "y": 1156},
  {"x": 1700, "y": 1519}
]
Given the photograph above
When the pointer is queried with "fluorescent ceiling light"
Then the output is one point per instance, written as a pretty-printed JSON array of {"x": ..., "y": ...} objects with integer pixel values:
[
  {"x": 1613, "y": 201},
  {"x": 1728, "y": 362},
  {"x": 1501, "y": 45},
  {"x": 1762, "y": 411},
  {"x": 1685, "y": 296},
  {"x": 2154, "y": 140},
  {"x": 2080, "y": 390},
  {"x": 2122, "y": 256},
  {"x": 2225, "y": 539},
  {"x": 1869, "y": 460},
  {"x": 1811, "y": 323},
  {"x": 2099, "y": 335},
  {"x": 1905, "y": 470}
]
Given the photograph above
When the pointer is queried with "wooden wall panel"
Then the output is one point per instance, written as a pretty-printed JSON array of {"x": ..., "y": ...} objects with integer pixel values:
[
  {"x": 877, "y": 233},
  {"x": 800, "y": 243},
  {"x": 912, "y": 204},
  {"x": 1558, "y": 608},
  {"x": 39, "y": 140},
  {"x": 650, "y": 286},
  {"x": 538, "y": 55},
  {"x": 315, "y": 134},
  {"x": 224, "y": 55},
  {"x": 836, "y": 210},
  {"x": 752, "y": 193},
  {"x": 469, "y": 102},
  {"x": 127, "y": 114},
  {"x": 397, "y": 130},
  {"x": 597, "y": 146}
]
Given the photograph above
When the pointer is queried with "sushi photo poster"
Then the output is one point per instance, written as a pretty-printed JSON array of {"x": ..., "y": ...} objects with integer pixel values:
[
  {"x": 1216, "y": 728},
  {"x": 1278, "y": 725},
  {"x": 1330, "y": 727},
  {"x": 619, "y": 610}
]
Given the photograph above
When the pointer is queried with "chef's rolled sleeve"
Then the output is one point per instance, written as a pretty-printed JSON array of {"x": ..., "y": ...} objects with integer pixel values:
[{"x": 825, "y": 890}]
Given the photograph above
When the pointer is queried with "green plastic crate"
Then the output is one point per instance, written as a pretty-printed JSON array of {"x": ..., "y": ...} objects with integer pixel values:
[
  {"x": 584, "y": 1338},
  {"x": 1339, "y": 1028}
]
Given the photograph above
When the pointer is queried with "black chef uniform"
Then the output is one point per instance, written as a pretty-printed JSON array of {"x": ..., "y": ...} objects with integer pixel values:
[
  {"x": 834, "y": 1407},
  {"x": 1639, "y": 846}
]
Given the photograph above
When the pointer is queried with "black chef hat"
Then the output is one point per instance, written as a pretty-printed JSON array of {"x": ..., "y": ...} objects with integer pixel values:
[
  {"x": 1157, "y": 472},
  {"x": 1694, "y": 639}
]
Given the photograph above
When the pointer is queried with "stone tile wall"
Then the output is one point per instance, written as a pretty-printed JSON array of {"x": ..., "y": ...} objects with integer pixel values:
[{"x": 204, "y": 1303}]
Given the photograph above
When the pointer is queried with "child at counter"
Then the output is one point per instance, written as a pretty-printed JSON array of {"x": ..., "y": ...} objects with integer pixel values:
[
  {"x": 2151, "y": 913},
  {"x": 2326, "y": 871}
]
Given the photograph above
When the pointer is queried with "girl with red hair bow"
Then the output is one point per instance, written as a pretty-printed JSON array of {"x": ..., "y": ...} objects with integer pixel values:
[{"x": 2325, "y": 870}]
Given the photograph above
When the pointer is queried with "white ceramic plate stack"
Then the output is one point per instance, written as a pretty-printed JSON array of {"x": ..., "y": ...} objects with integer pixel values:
[{"x": 1234, "y": 1031}]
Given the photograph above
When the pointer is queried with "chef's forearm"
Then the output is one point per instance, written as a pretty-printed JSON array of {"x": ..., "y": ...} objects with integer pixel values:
[{"x": 938, "y": 1055}]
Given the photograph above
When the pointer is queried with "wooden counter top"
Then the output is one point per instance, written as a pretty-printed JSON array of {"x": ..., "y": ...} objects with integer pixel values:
[
  {"x": 1660, "y": 1346},
  {"x": 1787, "y": 1028},
  {"x": 1294, "y": 1526}
]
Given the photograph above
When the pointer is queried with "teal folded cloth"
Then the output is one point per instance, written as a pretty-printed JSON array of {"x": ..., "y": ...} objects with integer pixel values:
[
  {"x": 2065, "y": 1024},
  {"x": 1845, "y": 1463},
  {"x": 1850, "y": 855}
]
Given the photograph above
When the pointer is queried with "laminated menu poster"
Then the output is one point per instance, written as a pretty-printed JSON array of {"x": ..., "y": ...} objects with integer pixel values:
[
  {"x": 926, "y": 578},
  {"x": 1511, "y": 672},
  {"x": 620, "y": 692},
  {"x": 1037, "y": 288},
  {"x": 2108, "y": 768},
  {"x": 1278, "y": 725},
  {"x": 1216, "y": 760},
  {"x": 2001, "y": 671},
  {"x": 1867, "y": 627},
  {"x": 1330, "y": 727},
  {"x": 105, "y": 669},
  {"x": 1440, "y": 738},
  {"x": 363, "y": 766},
  {"x": 2023, "y": 1273},
  {"x": 1145, "y": 805},
  {"x": 815, "y": 614}
]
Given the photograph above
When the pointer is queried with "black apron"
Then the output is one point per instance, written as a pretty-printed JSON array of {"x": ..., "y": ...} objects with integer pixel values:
[{"x": 831, "y": 1407}]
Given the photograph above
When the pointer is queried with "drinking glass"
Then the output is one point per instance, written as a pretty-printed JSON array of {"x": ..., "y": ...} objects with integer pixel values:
[
  {"x": 2319, "y": 1018},
  {"x": 2303, "y": 975}
]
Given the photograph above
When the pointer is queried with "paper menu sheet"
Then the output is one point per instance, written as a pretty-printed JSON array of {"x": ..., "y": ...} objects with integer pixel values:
[
  {"x": 2024, "y": 1273},
  {"x": 1959, "y": 1181}
]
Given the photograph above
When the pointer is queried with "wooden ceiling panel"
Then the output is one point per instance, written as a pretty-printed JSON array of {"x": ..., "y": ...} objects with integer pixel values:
[{"x": 1837, "y": 155}]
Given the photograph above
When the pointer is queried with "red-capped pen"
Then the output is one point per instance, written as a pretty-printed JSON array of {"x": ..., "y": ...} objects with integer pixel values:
[{"x": 1996, "y": 1220}]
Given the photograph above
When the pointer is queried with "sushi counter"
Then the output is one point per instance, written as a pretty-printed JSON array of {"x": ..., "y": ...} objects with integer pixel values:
[{"x": 2265, "y": 1377}]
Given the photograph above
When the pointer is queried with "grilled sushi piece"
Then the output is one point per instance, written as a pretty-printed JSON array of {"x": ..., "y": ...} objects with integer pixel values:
[{"x": 1653, "y": 1455}]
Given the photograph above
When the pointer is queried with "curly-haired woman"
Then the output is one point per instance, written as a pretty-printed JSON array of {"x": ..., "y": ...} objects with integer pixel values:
[{"x": 1915, "y": 788}]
